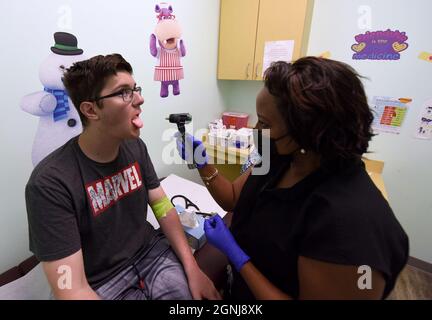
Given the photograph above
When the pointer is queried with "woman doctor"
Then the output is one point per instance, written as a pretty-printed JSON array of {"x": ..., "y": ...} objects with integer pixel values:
[{"x": 315, "y": 226}]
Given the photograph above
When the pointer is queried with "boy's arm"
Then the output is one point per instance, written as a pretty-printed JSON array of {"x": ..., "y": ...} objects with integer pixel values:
[
  {"x": 67, "y": 278},
  {"x": 199, "y": 284}
]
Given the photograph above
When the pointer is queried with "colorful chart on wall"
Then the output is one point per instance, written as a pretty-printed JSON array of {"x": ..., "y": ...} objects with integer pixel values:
[
  {"x": 424, "y": 127},
  {"x": 389, "y": 114},
  {"x": 380, "y": 45}
]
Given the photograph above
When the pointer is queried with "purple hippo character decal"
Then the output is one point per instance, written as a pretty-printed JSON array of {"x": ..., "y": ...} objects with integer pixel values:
[{"x": 170, "y": 50}]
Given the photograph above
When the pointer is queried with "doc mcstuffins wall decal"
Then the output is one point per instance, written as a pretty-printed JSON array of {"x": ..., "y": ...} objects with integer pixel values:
[
  {"x": 424, "y": 128},
  {"x": 325, "y": 55},
  {"x": 426, "y": 56},
  {"x": 167, "y": 33},
  {"x": 58, "y": 118},
  {"x": 380, "y": 45}
]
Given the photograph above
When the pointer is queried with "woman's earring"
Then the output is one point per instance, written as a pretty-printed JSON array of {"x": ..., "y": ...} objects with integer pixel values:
[{"x": 302, "y": 151}]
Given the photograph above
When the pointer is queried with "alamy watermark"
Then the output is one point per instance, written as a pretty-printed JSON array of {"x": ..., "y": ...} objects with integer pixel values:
[
  {"x": 221, "y": 151},
  {"x": 64, "y": 281},
  {"x": 365, "y": 280},
  {"x": 364, "y": 21},
  {"x": 64, "y": 21}
]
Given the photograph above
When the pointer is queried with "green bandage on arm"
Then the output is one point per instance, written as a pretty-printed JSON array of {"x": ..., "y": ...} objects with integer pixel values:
[{"x": 161, "y": 207}]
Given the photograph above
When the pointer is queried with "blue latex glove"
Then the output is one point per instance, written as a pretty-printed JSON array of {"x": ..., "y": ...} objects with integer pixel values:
[
  {"x": 219, "y": 236},
  {"x": 199, "y": 151}
]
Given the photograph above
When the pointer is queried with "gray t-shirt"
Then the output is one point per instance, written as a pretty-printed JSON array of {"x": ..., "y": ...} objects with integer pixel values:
[{"x": 76, "y": 203}]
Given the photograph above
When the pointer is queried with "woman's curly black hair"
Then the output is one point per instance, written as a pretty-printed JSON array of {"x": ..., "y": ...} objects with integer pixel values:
[{"x": 324, "y": 106}]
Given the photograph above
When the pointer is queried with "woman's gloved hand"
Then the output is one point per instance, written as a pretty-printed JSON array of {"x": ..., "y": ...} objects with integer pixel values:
[
  {"x": 192, "y": 143},
  {"x": 219, "y": 236}
]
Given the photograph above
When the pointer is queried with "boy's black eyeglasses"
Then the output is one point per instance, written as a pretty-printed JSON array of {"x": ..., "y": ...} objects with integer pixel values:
[{"x": 126, "y": 93}]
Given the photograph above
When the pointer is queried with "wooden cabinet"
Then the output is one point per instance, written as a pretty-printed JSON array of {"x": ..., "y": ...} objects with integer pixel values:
[
  {"x": 245, "y": 26},
  {"x": 237, "y": 38}
]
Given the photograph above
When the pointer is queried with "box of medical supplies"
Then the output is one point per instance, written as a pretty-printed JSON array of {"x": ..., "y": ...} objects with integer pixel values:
[
  {"x": 194, "y": 235},
  {"x": 243, "y": 138},
  {"x": 235, "y": 120}
]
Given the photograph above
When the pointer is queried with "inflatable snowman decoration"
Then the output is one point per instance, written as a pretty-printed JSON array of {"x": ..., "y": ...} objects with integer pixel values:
[{"x": 58, "y": 119}]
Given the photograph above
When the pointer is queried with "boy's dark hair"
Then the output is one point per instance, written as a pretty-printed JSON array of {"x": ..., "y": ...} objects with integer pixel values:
[
  {"x": 324, "y": 106},
  {"x": 85, "y": 80}
]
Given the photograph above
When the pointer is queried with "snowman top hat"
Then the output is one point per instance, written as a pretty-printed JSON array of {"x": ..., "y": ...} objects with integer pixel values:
[{"x": 66, "y": 44}]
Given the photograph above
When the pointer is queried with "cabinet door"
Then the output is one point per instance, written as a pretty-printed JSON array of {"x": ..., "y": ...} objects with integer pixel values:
[
  {"x": 282, "y": 20},
  {"x": 237, "y": 32}
]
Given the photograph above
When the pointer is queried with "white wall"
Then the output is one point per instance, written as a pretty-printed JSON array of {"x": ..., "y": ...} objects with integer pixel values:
[
  {"x": 407, "y": 171},
  {"x": 102, "y": 27}
]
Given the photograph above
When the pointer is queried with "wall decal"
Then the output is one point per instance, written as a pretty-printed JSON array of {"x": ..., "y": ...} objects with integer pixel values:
[{"x": 380, "y": 45}]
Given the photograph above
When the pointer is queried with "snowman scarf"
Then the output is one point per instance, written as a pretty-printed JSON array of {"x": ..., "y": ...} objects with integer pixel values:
[{"x": 62, "y": 108}]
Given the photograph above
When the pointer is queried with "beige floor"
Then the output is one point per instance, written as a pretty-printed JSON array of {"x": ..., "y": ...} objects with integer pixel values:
[{"x": 413, "y": 284}]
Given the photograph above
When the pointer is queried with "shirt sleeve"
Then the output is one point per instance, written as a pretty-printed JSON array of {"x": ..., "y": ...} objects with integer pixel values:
[
  {"x": 150, "y": 177},
  {"x": 53, "y": 228}
]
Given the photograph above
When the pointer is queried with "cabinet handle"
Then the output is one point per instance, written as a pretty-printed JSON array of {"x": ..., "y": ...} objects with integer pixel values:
[
  {"x": 247, "y": 70},
  {"x": 256, "y": 70}
]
